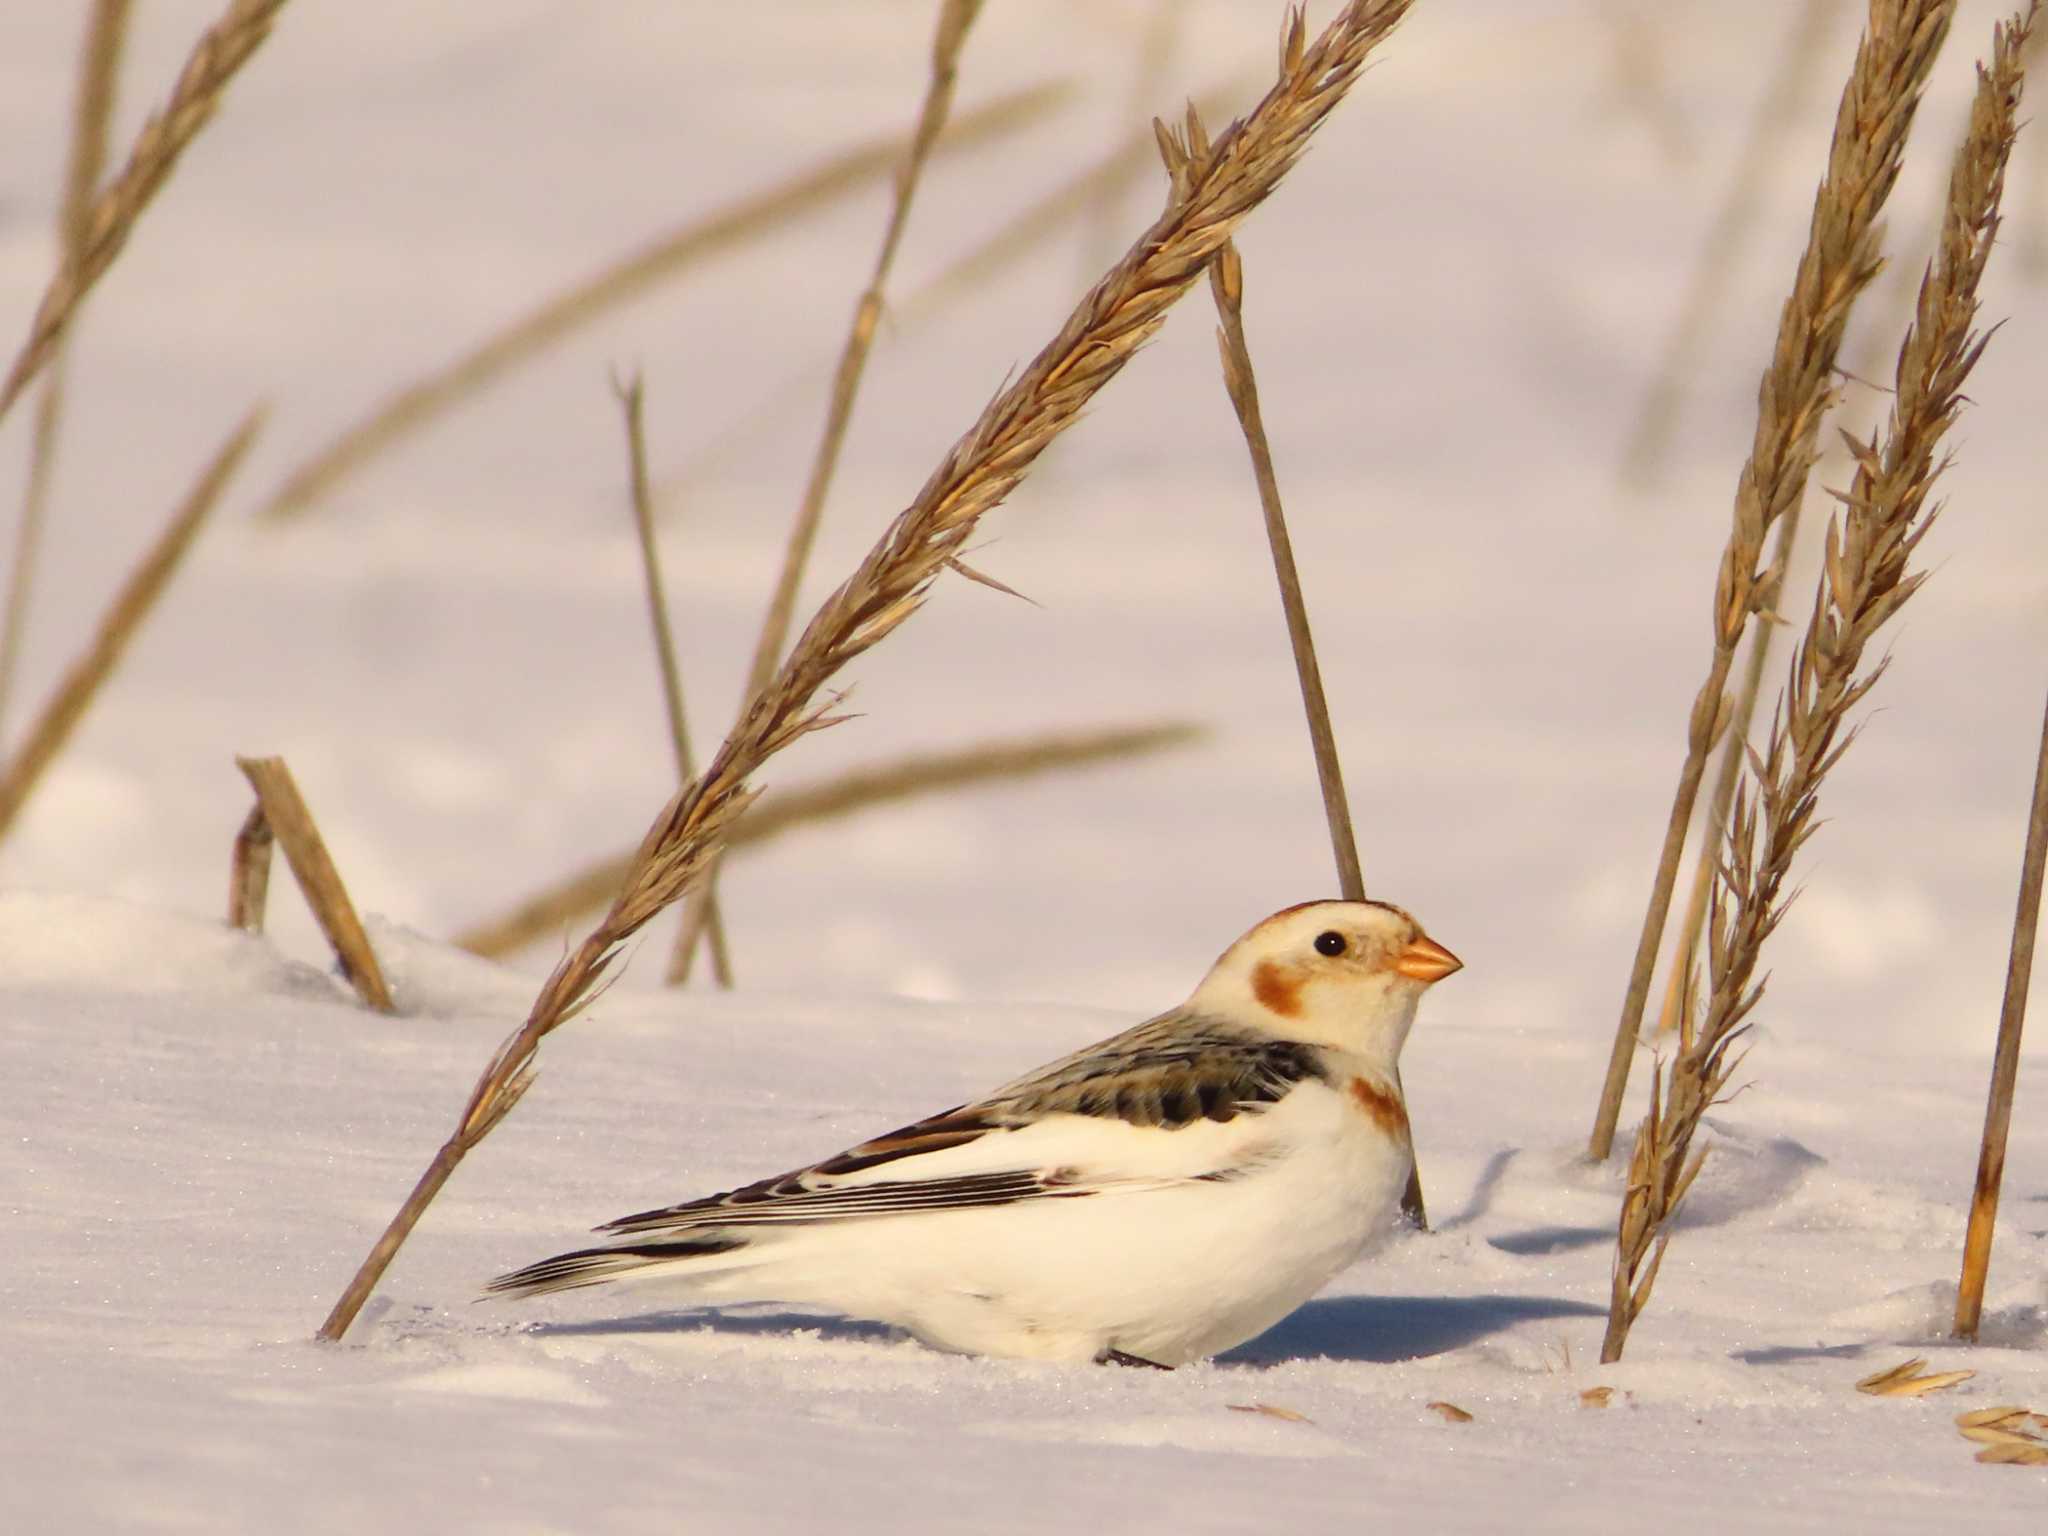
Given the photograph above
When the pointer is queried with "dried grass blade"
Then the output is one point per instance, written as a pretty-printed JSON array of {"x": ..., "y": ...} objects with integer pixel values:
[
  {"x": 955, "y": 20},
  {"x": 1993, "y": 1416},
  {"x": 291, "y": 823},
  {"x": 2005, "y": 1061},
  {"x": 1271, "y": 1411},
  {"x": 2035, "y": 1455},
  {"x": 249, "y": 872},
  {"x": 633, "y": 401},
  {"x": 136, "y": 599},
  {"x": 1905, "y": 1381},
  {"x": 1798, "y": 386},
  {"x": 99, "y": 62},
  {"x": 542, "y": 916},
  {"x": 220, "y": 52}
]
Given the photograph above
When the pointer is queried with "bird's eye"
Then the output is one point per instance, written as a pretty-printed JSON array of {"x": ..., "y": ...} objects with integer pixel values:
[{"x": 1330, "y": 942}]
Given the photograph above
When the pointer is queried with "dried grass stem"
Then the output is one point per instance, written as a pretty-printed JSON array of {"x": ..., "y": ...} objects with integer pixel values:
[
  {"x": 134, "y": 602},
  {"x": 1864, "y": 582},
  {"x": 1878, "y": 104},
  {"x": 215, "y": 59},
  {"x": 99, "y": 63}
]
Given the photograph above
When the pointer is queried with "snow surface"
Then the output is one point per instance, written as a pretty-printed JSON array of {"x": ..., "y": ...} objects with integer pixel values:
[{"x": 1456, "y": 303}]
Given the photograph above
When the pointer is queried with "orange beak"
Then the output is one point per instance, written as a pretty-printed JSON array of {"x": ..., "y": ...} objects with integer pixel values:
[{"x": 1426, "y": 960}]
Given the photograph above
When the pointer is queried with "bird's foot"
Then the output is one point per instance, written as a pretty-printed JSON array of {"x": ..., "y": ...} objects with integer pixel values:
[{"x": 1119, "y": 1357}]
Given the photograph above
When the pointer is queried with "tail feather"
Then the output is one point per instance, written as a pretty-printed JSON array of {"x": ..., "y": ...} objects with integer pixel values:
[{"x": 594, "y": 1266}]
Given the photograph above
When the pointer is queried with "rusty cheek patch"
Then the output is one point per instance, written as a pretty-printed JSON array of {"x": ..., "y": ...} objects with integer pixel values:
[
  {"x": 1385, "y": 1108},
  {"x": 1276, "y": 989}
]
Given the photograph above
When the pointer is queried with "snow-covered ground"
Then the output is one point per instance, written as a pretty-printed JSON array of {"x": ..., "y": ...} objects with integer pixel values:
[{"x": 1456, "y": 304}]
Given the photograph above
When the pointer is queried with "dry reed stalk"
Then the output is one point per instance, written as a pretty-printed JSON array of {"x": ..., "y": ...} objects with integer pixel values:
[
  {"x": 633, "y": 400},
  {"x": 2005, "y": 1063},
  {"x": 221, "y": 51},
  {"x": 956, "y": 19},
  {"x": 2009, "y": 1435},
  {"x": 291, "y": 824},
  {"x": 416, "y": 406},
  {"x": 544, "y": 915},
  {"x": 1864, "y": 582},
  {"x": 1734, "y": 751},
  {"x": 1226, "y": 286},
  {"x": 1649, "y": 441},
  {"x": 1117, "y": 316},
  {"x": 972, "y": 272},
  {"x": 99, "y": 62},
  {"x": 138, "y": 595},
  {"x": 1910, "y": 1378},
  {"x": 249, "y": 872},
  {"x": 1841, "y": 257},
  {"x": 2033, "y": 242}
]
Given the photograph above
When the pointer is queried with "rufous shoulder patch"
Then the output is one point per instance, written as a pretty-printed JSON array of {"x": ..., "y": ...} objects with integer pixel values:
[
  {"x": 1383, "y": 1105},
  {"x": 1274, "y": 987}
]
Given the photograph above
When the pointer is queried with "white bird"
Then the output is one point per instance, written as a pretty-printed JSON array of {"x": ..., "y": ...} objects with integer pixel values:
[{"x": 1159, "y": 1197}]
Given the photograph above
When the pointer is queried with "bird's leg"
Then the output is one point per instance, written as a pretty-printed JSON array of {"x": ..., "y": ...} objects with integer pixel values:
[{"x": 1119, "y": 1357}]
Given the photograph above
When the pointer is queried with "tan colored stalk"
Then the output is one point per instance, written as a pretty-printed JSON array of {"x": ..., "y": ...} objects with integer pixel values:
[
  {"x": 2033, "y": 240},
  {"x": 955, "y": 20},
  {"x": 291, "y": 825},
  {"x": 1116, "y": 317},
  {"x": 249, "y": 872},
  {"x": 1841, "y": 257},
  {"x": 545, "y": 914},
  {"x": 419, "y": 404},
  {"x": 214, "y": 61},
  {"x": 2005, "y": 1063},
  {"x": 1864, "y": 582},
  {"x": 99, "y": 63},
  {"x": 633, "y": 400},
  {"x": 1734, "y": 752},
  {"x": 52, "y": 728},
  {"x": 1649, "y": 442},
  {"x": 1240, "y": 382}
]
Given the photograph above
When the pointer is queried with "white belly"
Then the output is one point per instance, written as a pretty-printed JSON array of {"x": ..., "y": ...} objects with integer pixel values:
[{"x": 1168, "y": 1273}]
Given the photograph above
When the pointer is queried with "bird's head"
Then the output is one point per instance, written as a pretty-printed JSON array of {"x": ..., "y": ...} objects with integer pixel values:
[{"x": 1346, "y": 974}]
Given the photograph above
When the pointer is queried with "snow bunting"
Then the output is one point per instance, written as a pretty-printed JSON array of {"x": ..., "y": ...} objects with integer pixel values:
[{"x": 1166, "y": 1194}]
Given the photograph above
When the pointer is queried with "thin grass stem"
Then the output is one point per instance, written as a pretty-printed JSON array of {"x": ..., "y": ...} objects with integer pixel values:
[
  {"x": 585, "y": 890},
  {"x": 2005, "y": 1063},
  {"x": 290, "y": 823},
  {"x": 955, "y": 20},
  {"x": 137, "y": 598},
  {"x": 1841, "y": 258},
  {"x": 633, "y": 401},
  {"x": 99, "y": 66},
  {"x": 215, "y": 59}
]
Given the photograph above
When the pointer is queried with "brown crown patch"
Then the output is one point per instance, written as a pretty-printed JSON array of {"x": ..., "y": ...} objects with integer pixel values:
[
  {"x": 1277, "y": 989},
  {"x": 1383, "y": 1105}
]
